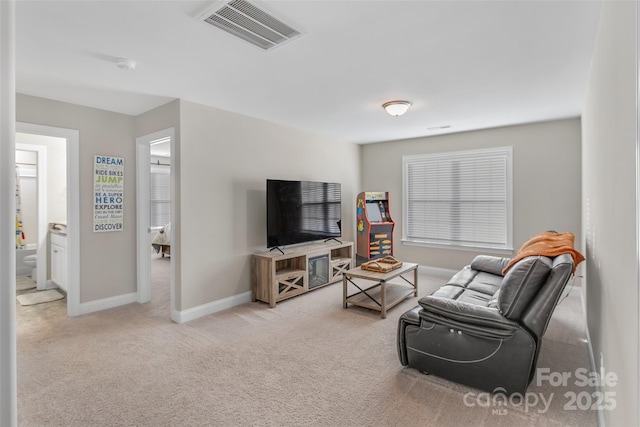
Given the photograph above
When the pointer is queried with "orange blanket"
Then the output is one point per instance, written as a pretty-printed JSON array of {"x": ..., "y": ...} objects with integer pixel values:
[{"x": 548, "y": 244}]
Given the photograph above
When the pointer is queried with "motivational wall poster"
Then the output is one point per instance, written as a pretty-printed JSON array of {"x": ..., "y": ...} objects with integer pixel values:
[{"x": 108, "y": 190}]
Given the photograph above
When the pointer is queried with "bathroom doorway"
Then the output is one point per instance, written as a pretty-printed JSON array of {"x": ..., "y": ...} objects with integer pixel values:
[
  {"x": 31, "y": 206},
  {"x": 155, "y": 188},
  {"x": 57, "y": 169}
]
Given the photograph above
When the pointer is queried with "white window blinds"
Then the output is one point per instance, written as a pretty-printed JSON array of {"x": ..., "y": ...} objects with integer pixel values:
[
  {"x": 459, "y": 198},
  {"x": 159, "y": 195}
]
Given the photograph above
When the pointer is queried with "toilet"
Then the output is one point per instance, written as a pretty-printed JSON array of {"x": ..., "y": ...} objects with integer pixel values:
[{"x": 32, "y": 261}]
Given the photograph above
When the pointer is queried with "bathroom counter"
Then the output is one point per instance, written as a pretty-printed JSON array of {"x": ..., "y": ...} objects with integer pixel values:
[{"x": 58, "y": 228}]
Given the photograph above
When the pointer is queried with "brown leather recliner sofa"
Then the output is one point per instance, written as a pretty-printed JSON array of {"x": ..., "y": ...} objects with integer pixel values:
[{"x": 482, "y": 328}]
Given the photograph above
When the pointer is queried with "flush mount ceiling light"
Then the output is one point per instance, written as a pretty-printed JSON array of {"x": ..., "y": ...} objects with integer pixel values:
[
  {"x": 126, "y": 64},
  {"x": 396, "y": 108}
]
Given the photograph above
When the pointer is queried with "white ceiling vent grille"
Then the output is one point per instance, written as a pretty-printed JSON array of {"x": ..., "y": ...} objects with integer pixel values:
[{"x": 251, "y": 23}]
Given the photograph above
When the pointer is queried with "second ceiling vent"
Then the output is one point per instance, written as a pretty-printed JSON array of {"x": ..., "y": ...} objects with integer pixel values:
[{"x": 250, "y": 22}]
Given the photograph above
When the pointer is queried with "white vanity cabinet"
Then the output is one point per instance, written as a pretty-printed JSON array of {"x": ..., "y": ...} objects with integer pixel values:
[{"x": 58, "y": 256}]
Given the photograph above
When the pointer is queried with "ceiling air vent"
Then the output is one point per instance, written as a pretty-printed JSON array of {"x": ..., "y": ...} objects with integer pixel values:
[{"x": 249, "y": 22}]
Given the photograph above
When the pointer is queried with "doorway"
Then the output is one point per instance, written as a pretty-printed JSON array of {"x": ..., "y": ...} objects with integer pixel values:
[
  {"x": 31, "y": 190},
  {"x": 72, "y": 206},
  {"x": 152, "y": 215}
]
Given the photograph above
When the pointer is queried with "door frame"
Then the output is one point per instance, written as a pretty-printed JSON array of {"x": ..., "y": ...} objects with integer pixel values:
[
  {"x": 73, "y": 206},
  {"x": 143, "y": 170},
  {"x": 41, "y": 186}
]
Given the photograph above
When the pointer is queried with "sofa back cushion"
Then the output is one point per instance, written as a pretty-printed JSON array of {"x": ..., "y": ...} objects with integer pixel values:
[{"x": 521, "y": 284}]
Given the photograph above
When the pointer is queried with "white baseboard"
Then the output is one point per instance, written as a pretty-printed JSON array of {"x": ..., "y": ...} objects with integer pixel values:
[
  {"x": 211, "y": 307},
  {"x": 51, "y": 285},
  {"x": 218, "y": 305},
  {"x": 592, "y": 358},
  {"x": 106, "y": 303},
  {"x": 444, "y": 273},
  {"x": 245, "y": 297},
  {"x": 177, "y": 316}
]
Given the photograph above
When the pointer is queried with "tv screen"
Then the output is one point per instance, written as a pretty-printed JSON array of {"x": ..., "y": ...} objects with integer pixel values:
[{"x": 302, "y": 211}]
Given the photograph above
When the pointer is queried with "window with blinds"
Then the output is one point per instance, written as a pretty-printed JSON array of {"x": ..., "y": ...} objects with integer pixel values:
[
  {"x": 461, "y": 199},
  {"x": 160, "y": 196}
]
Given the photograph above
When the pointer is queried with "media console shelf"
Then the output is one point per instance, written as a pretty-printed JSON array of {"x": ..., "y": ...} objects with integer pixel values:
[{"x": 277, "y": 276}]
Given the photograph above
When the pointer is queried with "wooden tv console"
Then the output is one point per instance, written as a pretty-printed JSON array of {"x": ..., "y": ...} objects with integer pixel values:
[{"x": 276, "y": 276}]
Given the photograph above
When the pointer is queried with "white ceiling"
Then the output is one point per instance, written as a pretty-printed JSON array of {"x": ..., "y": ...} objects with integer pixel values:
[{"x": 464, "y": 64}]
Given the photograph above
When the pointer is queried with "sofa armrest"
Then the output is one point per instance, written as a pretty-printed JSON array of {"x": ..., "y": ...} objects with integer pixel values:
[
  {"x": 409, "y": 319},
  {"x": 490, "y": 264},
  {"x": 465, "y": 316}
]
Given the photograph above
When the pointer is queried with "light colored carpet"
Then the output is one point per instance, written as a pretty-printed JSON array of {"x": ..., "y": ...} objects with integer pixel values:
[
  {"x": 307, "y": 362},
  {"x": 24, "y": 283},
  {"x": 39, "y": 297}
]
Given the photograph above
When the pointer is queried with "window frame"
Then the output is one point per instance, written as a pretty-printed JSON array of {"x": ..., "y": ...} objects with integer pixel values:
[{"x": 507, "y": 153}]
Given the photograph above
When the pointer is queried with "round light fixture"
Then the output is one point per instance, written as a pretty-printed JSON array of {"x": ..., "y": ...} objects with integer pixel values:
[
  {"x": 396, "y": 108},
  {"x": 126, "y": 64}
]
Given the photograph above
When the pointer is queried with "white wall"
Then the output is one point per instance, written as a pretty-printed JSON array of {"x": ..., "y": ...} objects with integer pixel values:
[
  {"x": 27, "y": 178},
  {"x": 609, "y": 125},
  {"x": 56, "y": 173},
  {"x": 546, "y": 181},
  {"x": 225, "y": 159},
  {"x": 8, "y": 370}
]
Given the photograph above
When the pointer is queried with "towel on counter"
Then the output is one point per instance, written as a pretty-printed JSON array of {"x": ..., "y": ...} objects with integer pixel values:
[{"x": 548, "y": 244}]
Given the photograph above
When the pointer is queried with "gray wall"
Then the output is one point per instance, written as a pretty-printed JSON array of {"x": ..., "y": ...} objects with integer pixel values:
[
  {"x": 222, "y": 161},
  {"x": 161, "y": 118},
  {"x": 101, "y": 132},
  {"x": 609, "y": 206},
  {"x": 546, "y": 181},
  {"x": 225, "y": 159}
]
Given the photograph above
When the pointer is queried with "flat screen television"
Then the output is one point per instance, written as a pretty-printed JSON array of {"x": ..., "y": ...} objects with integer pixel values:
[{"x": 302, "y": 211}]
